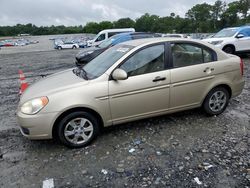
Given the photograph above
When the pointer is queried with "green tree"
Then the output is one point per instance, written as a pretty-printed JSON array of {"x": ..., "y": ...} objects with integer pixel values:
[
  {"x": 124, "y": 23},
  {"x": 147, "y": 23},
  {"x": 91, "y": 27},
  {"x": 230, "y": 16},
  {"x": 105, "y": 25},
  {"x": 217, "y": 10},
  {"x": 200, "y": 15}
]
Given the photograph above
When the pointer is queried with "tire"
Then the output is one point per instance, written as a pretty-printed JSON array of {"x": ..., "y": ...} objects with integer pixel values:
[
  {"x": 73, "y": 47},
  {"x": 77, "y": 129},
  {"x": 216, "y": 101},
  {"x": 59, "y": 48},
  {"x": 229, "y": 49}
]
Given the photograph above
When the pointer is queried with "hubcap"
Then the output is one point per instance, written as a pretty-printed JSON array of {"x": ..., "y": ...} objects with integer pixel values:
[
  {"x": 217, "y": 101},
  {"x": 78, "y": 130}
]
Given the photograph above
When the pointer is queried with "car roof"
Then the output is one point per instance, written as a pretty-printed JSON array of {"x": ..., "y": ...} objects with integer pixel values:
[
  {"x": 133, "y": 34},
  {"x": 238, "y": 28},
  {"x": 139, "y": 42},
  {"x": 117, "y": 30}
]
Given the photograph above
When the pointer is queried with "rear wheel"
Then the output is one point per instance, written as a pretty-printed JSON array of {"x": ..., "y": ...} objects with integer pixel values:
[
  {"x": 78, "y": 129},
  {"x": 216, "y": 101},
  {"x": 73, "y": 47},
  {"x": 59, "y": 48}
]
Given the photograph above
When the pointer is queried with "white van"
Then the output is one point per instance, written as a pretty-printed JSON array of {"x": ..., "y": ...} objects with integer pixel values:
[{"x": 107, "y": 33}]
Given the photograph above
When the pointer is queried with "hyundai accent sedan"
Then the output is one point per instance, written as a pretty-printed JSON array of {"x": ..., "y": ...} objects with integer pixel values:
[{"x": 130, "y": 81}]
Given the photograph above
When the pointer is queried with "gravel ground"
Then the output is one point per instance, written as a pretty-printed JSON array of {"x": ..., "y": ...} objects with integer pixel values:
[{"x": 179, "y": 150}]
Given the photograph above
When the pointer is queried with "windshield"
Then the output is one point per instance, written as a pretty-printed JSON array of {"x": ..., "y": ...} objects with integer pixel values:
[
  {"x": 225, "y": 33},
  {"x": 105, "y": 60},
  {"x": 108, "y": 42}
]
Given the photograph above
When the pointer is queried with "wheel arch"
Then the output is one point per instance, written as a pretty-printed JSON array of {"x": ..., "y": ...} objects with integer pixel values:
[
  {"x": 226, "y": 86},
  {"x": 75, "y": 109},
  {"x": 229, "y": 45}
]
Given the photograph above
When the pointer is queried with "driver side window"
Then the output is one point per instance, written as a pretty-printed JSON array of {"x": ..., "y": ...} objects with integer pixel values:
[
  {"x": 100, "y": 38},
  {"x": 145, "y": 61}
]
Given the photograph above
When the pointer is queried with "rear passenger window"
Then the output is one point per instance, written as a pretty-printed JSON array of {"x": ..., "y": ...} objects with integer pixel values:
[{"x": 189, "y": 54}]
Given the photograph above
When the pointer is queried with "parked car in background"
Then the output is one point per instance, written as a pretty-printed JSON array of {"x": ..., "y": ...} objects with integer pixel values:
[
  {"x": 83, "y": 44},
  {"x": 67, "y": 45},
  {"x": 175, "y": 35},
  {"x": 130, "y": 81},
  {"x": 9, "y": 43},
  {"x": 86, "y": 55},
  {"x": 107, "y": 33},
  {"x": 232, "y": 40}
]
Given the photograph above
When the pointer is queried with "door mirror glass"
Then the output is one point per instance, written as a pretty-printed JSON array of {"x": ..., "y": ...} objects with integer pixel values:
[
  {"x": 119, "y": 74},
  {"x": 240, "y": 36}
]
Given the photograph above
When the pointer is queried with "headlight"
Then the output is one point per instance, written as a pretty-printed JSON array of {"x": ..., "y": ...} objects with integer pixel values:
[
  {"x": 34, "y": 106},
  {"x": 217, "y": 42}
]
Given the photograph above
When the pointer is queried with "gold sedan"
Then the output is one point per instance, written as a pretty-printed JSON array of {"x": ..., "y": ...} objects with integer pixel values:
[{"x": 130, "y": 81}]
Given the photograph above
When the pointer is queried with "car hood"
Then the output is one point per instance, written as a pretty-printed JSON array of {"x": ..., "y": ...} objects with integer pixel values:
[
  {"x": 85, "y": 51},
  {"x": 214, "y": 39},
  {"x": 54, "y": 83}
]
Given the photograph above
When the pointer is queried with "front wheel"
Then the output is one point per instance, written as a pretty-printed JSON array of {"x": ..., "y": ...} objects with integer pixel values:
[
  {"x": 229, "y": 49},
  {"x": 216, "y": 101},
  {"x": 78, "y": 129},
  {"x": 73, "y": 47}
]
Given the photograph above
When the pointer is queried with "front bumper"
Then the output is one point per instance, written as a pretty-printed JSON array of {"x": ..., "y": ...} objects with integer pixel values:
[{"x": 38, "y": 126}]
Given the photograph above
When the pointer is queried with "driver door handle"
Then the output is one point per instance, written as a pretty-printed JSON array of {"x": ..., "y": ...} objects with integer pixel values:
[{"x": 158, "y": 78}]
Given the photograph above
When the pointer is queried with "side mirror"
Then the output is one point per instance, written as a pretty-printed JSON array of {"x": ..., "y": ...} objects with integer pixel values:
[
  {"x": 119, "y": 74},
  {"x": 240, "y": 36}
]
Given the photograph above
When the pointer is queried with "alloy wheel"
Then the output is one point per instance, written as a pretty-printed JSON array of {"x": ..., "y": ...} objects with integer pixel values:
[
  {"x": 78, "y": 131},
  {"x": 217, "y": 101}
]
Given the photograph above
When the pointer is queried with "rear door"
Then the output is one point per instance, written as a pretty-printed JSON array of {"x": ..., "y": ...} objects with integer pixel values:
[
  {"x": 192, "y": 72},
  {"x": 146, "y": 91}
]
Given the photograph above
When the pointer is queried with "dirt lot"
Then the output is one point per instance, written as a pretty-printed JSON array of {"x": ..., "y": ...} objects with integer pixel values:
[{"x": 167, "y": 151}]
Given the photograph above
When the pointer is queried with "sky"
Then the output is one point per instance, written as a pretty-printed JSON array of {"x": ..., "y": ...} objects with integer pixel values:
[{"x": 79, "y": 12}]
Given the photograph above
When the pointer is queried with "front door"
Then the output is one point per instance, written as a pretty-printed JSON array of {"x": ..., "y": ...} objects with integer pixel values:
[
  {"x": 244, "y": 42},
  {"x": 146, "y": 91}
]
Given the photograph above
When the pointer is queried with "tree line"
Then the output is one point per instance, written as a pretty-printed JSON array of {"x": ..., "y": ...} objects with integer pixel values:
[{"x": 201, "y": 18}]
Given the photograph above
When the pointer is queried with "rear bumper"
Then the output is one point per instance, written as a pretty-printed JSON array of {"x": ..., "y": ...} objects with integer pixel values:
[
  {"x": 237, "y": 90},
  {"x": 36, "y": 127}
]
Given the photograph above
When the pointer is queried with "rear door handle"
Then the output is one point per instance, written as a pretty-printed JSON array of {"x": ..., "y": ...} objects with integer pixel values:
[
  {"x": 158, "y": 78},
  {"x": 208, "y": 69}
]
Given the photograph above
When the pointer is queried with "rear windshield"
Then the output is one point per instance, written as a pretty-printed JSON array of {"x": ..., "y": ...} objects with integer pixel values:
[{"x": 105, "y": 60}]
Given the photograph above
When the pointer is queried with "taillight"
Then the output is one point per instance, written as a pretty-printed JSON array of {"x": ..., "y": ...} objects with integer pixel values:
[{"x": 241, "y": 67}]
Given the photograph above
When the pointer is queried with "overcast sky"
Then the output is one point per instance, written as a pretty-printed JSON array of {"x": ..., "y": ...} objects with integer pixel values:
[{"x": 79, "y": 12}]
